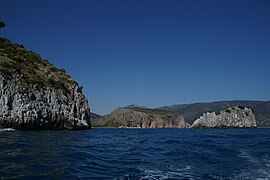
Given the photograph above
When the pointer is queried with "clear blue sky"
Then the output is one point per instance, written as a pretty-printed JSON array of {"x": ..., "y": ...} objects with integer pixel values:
[{"x": 150, "y": 52}]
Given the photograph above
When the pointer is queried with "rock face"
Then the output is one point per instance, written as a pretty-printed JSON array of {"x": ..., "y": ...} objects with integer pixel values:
[
  {"x": 141, "y": 118},
  {"x": 35, "y": 95},
  {"x": 44, "y": 109},
  {"x": 194, "y": 111},
  {"x": 235, "y": 117}
]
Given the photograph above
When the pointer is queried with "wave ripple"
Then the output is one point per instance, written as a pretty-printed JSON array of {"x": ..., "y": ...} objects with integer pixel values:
[{"x": 136, "y": 154}]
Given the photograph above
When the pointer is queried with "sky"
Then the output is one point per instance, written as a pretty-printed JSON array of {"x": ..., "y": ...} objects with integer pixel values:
[{"x": 150, "y": 52}]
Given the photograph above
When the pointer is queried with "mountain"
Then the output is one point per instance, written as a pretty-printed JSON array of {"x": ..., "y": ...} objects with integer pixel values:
[
  {"x": 192, "y": 112},
  {"x": 134, "y": 116},
  {"x": 94, "y": 116},
  {"x": 135, "y": 106},
  {"x": 34, "y": 94}
]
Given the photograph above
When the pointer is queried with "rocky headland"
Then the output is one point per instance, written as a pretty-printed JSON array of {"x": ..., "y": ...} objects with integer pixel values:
[
  {"x": 35, "y": 95},
  {"x": 142, "y": 117},
  {"x": 234, "y": 117},
  {"x": 138, "y": 117},
  {"x": 194, "y": 111}
]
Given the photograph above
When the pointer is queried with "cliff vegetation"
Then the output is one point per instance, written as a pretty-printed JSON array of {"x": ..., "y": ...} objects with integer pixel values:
[
  {"x": 36, "y": 73},
  {"x": 35, "y": 95}
]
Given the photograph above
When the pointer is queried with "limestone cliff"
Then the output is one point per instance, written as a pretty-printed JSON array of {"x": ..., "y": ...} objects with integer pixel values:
[
  {"x": 141, "y": 118},
  {"x": 194, "y": 111},
  {"x": 34, "y": 94},
  {"x": 235, "y": 117}
]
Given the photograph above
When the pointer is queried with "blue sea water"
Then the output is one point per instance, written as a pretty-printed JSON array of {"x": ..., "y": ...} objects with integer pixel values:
[{"x": 136, "y": 154}]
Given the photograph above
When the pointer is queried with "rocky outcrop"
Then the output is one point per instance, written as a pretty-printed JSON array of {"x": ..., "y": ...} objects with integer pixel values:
[
  {"x": 36, "y": 95},
  {"x": 235, "y": 117},
  {"x": 43, "y": 109},
  {"x": 194, "y": 111},
  {"x": 141, "y": 118}
]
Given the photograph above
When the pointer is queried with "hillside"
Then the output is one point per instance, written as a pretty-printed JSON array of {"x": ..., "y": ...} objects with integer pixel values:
[
  {"x": 94, "y": 116},
  {"x": 35, "y": 94},
  {"x": 140, "y": 117},
  {"x": 192, "y": 112},
  {"x": 16, "y": 59}
]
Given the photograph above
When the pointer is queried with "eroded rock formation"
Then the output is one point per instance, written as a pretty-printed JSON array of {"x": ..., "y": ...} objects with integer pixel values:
[
  {"x": 43, "y": 109},
  {"x": 235, "y": 117}
]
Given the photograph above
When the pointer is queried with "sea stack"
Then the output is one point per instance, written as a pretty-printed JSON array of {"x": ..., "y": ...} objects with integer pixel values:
[
  {"x": 35, "y": 95},
  {"x": 234, "y": 117}
]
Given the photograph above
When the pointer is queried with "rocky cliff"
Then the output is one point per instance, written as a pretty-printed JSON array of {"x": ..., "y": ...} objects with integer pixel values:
[
  {"x": 141, "y": 118},
  {"x": 34, "y": 94},
  {"x": 194, "y": 111},
  {"x": 235, "y": 117}
]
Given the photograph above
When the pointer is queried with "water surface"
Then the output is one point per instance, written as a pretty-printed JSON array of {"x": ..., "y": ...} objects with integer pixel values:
[{"x": 136, "y": 154}]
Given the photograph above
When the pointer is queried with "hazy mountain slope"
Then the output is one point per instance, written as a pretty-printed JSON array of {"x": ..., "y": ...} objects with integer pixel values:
[{"x": 94, "y": 116}]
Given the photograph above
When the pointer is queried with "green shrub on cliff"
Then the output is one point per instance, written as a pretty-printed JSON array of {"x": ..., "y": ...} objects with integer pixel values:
[
  {"x": 16, "y": 59},
  {"x": 152, "y": 111}
]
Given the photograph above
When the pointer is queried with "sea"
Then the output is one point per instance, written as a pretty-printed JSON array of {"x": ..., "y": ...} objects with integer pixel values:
[{"x": 107, "y": 153}]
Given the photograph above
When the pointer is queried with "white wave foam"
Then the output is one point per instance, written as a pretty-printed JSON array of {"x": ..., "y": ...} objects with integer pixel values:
[
  {"x": 244, "y": 154},
  {"x": 258, "y": 174},
  {"x": 7, "y": 130},
  {"x": 260, "y": 167},
  {"x": 154, "y": 174}
]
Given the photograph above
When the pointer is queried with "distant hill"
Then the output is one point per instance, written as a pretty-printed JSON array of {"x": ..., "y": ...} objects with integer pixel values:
[
  {"x": 94, "y": 115},
  {"x": 192, "y": 112},
  {"x": 140, "y": 117}
]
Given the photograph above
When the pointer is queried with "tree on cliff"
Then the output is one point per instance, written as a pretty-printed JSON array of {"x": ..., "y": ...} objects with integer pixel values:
[{"x": 2, "y": 24}]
